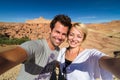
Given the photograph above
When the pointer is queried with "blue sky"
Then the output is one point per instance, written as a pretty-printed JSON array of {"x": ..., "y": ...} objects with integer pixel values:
[{"x": 85, "y": 11}]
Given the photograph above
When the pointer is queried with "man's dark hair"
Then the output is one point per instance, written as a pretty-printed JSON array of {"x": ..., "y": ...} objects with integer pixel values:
[{"x": 63, "y": 19}]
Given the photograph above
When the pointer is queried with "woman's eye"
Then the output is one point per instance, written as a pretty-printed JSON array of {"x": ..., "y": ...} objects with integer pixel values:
[
  {"x": 79, "y": 36},
  {"x": 70, "y": 34}
]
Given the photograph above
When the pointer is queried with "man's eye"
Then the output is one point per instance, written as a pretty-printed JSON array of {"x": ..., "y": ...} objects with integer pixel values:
[
  {"x": 64, "y": 34},
  {"x": 57, "y": 32}
]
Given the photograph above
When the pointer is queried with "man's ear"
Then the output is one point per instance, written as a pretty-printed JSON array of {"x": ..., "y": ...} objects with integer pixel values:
[{"x": 50, "y": 31}]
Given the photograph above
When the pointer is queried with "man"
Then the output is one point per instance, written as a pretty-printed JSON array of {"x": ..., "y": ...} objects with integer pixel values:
[{"x": 38, "y": 56}]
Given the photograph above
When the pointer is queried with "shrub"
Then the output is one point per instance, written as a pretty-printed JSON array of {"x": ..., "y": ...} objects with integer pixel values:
[{"x": 8, "y": 41}]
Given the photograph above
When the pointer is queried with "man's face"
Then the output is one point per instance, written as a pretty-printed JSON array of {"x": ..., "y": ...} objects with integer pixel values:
[{"x": 58, "y": 34}]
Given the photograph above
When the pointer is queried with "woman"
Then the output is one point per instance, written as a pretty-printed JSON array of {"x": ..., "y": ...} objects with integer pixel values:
[{"x": 79, "y": 63}]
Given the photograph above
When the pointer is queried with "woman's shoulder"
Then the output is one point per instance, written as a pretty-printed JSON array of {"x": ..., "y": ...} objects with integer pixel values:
[
  {"x": 91, "y": 49},
  {"x": 96, "y": 52},
  {"x": 63, "y": 49}
]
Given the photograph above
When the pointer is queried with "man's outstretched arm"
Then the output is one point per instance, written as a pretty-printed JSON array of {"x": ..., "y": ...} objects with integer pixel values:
[{"x": 11, "y": 58}]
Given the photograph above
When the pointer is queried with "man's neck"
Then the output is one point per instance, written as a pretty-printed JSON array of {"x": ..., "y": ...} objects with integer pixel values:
[{"x": 51, "y": 46}]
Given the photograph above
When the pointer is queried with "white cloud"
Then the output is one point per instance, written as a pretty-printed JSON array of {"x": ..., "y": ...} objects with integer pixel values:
[
  {"x": 15, "y": 19},
  {"x": 87, "y": 17}
]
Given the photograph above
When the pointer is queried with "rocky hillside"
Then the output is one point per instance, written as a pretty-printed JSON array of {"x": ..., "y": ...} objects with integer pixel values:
[
  {"x": 104, "y": 36},
  {"x": 31, "y": 30},
  {"x": 38, "y": 20}
]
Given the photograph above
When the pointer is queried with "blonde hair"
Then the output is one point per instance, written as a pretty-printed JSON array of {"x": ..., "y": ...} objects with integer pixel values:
[{"x": 81, "y": 27}]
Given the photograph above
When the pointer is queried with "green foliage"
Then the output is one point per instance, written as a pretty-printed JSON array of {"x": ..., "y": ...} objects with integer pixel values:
[{"x": 8, "y": 41}]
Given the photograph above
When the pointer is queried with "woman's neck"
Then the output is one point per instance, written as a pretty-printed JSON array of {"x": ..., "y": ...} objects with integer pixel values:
[
  {"x": 72, "y": 53},
  {"x": 74, "y": 50}
]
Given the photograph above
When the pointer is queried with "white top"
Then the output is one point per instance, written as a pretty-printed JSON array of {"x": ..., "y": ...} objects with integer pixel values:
[{"x": 85, "y": 66}]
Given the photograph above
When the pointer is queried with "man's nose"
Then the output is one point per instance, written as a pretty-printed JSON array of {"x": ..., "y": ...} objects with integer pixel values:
[{"x": 60, "y": 36}]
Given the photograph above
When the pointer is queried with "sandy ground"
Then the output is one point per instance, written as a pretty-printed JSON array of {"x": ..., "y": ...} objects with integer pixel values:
[{"x": 10, "y": 74}]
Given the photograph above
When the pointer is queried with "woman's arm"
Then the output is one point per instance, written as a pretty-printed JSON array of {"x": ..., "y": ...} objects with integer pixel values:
[{"x": 111, "y": 64}]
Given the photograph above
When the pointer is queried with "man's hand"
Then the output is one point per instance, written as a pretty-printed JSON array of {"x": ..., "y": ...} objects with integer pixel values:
[{"x": 11, "y": 58}]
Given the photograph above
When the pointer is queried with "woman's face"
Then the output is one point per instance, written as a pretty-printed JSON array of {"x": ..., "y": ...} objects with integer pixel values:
[{"x": 75, "y": 37}]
